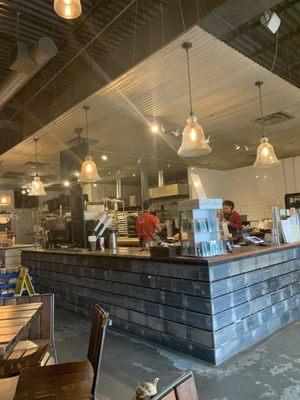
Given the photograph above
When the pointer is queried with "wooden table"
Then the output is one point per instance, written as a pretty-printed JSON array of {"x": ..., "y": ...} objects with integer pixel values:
[
  {"x": 15, "y": 320},
  {"x": 70, "y": 381}
]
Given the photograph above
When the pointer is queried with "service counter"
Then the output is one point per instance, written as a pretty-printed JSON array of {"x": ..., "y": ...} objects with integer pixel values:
[{"x": 209, "y": 308}]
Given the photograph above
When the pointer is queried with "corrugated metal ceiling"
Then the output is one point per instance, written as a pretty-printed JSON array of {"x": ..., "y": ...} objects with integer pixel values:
[
  {"x": 226, "y": 102},
  {"x": 37, "y": 19},
  {"x": 253, "y": 40}
]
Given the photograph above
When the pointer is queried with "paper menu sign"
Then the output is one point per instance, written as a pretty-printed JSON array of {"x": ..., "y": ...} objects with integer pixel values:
[
  {"x": 290, "y": 231},
  {"x": 295, "y": 233},
  {"x": 210, "y": 204}
]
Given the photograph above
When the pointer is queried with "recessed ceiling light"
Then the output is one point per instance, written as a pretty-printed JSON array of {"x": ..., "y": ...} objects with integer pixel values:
[
  {"x": 104, "y": 157},
  {"x": 66, "y": 183},
  {"x": 154, "y": 128}
]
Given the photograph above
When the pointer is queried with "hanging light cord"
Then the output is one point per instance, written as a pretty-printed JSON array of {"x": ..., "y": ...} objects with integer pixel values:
[
  {"x": 86, "y": 123},
  {"x": 36, "y": 157},
  {"x": 86, "y": 108},
  {"x": 258, "y": 84},
  {"x": 189, "y": 78}
]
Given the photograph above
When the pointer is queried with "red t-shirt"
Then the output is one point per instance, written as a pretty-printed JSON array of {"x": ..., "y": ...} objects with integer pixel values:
[
  {"x": 234, "y": 219},
  {"x": 145, "y": 225}
]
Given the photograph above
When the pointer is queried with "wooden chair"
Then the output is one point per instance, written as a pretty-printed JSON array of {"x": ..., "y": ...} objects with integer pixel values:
[
  {"x": 77, "y": 380},
  {"x": 96, "y": 344},
  {"x": 33, "y": 349},
  {"x": 183, "y": 388}
]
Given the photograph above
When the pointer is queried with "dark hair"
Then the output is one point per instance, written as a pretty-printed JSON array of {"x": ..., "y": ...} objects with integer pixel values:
[
  {"x": 228, "y": 203},
  {"x": 147, "y": 204}
]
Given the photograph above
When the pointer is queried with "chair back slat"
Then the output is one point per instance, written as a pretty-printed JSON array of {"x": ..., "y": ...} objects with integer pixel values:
[
  {"x": 97, "y": 337},
  {"x": 187, "y": 390},
  {"x": 170, "y": 396},
  {"x": 183, "y": 388}
]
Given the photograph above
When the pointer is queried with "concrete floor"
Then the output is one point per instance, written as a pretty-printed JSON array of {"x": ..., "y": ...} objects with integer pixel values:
[{"x": 268, "y": 371}]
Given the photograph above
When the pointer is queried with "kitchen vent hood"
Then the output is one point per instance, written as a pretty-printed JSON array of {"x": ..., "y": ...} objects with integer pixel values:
[
  {"x": 175, "y": 189},
  {"x": 162, "y": 190}
]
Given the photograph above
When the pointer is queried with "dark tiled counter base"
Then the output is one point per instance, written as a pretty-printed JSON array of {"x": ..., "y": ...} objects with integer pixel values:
[{"x": 210, "y": 311}]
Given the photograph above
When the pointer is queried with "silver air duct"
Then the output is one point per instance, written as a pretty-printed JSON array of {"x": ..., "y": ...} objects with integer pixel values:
[
  {"x": 28, "y": 62},
  {"x": 161, "y": 180},
  {"x": 119, "y": 188}
]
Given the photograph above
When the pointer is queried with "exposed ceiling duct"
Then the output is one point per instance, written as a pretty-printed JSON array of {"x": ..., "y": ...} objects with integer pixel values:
[
  {"x": 28, "y": 62},
  {"x": 161, "y": 178}
]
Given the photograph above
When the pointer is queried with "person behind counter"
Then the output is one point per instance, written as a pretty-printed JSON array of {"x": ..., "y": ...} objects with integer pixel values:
[
  {"x": 147, "y": 225},
  {"x": 232, "y": 218}
]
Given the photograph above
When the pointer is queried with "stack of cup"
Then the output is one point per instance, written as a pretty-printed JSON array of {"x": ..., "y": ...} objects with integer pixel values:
[{"x": 92, "y": 243}]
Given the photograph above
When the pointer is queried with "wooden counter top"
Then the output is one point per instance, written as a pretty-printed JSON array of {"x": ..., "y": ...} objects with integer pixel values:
[
  {"x": 17, "y": 246},
  {"x": 139, "y": 254}
]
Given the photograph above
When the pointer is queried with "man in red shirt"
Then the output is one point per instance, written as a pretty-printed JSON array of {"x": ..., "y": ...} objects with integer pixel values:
[
  {"x": 147, "y": 225},
  {"x": 232, "y": 217}
]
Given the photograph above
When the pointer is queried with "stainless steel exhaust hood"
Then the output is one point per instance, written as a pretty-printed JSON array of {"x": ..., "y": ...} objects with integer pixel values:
[{"x": 175, "y": 189}]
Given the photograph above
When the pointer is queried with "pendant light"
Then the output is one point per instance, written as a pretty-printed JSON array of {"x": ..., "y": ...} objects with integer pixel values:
[
  {"x": 68, "y": 9},
  {"x": 265, "y": 156},
  {"x": 5, "y": 200},
  {"x": 89, "y": 171},
  {"x": 37, "y": 186},
  {"x": 193, "y": 142}
]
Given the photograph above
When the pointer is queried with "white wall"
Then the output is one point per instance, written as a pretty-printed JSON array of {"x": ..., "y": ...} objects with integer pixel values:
[{"x": 254, "y": 191}]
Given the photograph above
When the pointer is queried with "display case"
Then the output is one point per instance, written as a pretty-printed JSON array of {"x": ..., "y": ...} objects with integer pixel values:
[{"x": 199, "y": 227}]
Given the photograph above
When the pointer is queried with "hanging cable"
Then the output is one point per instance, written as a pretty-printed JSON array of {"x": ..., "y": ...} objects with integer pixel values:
[
  {"x": 86, "y": 108},
  {"x": 162, "y": 23},
  {"x": 249, "y": 43},
  {"x": 276, "y": 51},
  {"x": 198, "y": 13},
  {"x": 18, "y": 22},
  {"x": 181, "y": 14},
  {"x": 258, "y": 84},
  {"x": 134, "y": 35},
  {"x": 187, "y": 46},
  {"x": 36, "y": 157},
  {"x": 288, "y": 62}
]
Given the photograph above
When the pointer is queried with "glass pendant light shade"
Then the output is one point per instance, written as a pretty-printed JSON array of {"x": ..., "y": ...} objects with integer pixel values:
[
  {"x": 5, "y": 200},
  {"x": 37, "y": 187},
  {"x": 68, "y": 9},
  {"x": 193, "y": 142},
  {"x": 89, "y": 172},
  {"x": 266, "y": 156}
]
